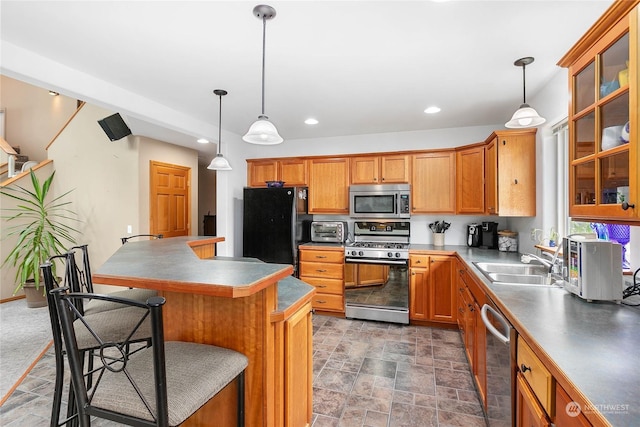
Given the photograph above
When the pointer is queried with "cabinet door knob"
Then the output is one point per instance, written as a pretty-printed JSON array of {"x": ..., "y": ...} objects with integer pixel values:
[
  {"x": 626, "y": 206},
  {"x": 515, "y": 181},
  {"x": 418, "y": 262},
  {"x": 524, "y": 368}
]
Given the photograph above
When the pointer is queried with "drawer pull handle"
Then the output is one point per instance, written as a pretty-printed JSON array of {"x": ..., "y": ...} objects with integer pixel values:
[
  {"x": 321, "y": 301},
  {"x": 321, "y": 271},
  {"x": 322, "y": 286},
  {"x": 524, "y": 368},
  {"x": 320, "y": 256}
]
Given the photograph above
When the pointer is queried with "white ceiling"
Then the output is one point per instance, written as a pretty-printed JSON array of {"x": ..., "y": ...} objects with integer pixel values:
[{"x": 359, "y": 67}]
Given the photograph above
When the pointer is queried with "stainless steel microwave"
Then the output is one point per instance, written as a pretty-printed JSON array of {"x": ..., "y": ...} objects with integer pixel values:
[{"x": 380, "y": 201}]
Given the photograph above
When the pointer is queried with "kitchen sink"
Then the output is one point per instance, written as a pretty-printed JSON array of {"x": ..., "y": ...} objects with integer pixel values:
[
  {"x": 520, "y": 279},
  {"x": 514, "y": 274},
  {"x": 511, "y": 269}
]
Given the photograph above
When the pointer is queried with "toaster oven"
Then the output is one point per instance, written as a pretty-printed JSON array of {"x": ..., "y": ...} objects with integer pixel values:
[{"x": 329, "y": 231}]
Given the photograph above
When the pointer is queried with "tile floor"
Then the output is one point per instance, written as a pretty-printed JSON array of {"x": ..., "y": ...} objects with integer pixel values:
[{"x": 365, "y": 374}]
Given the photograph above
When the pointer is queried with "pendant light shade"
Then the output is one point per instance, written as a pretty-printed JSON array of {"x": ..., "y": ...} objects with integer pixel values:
[
  {"x": 262, "y": 131},
  {"x": 219, "y": 163},
  {"x": 525, "y": 116}
]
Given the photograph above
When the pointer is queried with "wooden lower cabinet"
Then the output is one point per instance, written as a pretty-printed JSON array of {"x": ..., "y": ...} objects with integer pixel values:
[
  {"x": 357, "y": 275},
  {"x": 568, "y": 414},
  {"x": 432, "y": 294},
  {"x": 323, "y": 267},
  {"x": 529, "y": 412},
  {"x": 474, "y": 334},
  {"x": 298, "y": 359}
]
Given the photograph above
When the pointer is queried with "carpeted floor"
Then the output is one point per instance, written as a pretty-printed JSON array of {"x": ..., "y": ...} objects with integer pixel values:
[{"x": 24, "y": 334}]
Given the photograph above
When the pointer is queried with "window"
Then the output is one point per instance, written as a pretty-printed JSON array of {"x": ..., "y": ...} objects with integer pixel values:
[{"x": 566, "y": 226}]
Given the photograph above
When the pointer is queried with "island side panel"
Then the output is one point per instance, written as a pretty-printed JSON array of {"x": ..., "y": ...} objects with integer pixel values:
[{"x": 241, "y": 324}]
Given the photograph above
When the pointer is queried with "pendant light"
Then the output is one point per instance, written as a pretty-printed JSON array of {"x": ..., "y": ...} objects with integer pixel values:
[
  {"x": 262, "y": 131},
  {"x": 525, "y": 116},
  {"x": 219, "y": 163}
]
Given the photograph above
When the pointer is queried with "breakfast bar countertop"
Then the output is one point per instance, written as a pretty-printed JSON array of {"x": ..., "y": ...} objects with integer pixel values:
[{"x": 170, "y": 265}]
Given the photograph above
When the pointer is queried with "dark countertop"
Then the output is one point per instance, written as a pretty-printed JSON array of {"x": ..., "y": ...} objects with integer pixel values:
[
  {"x": 596, "y": 345},
  {"x": 170, "y": 264}
]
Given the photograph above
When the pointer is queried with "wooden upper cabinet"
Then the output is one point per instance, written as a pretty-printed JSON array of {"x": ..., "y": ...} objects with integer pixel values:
[
  {"x": 329, "y": 185},
  {"x": 293, "y": 171},
  {"x": 604, "y": 174},
  {"x": 470, "y": 180},
  {"x": 386, "y": 169},
  {"x": 261, "y": 171},
  {"x": 510, "y": 171},
  {"x": 433, "y": 182}
]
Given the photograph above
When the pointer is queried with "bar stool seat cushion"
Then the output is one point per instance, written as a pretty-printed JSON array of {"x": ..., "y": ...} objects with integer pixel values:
[
  {"x": 195, "y": 373},
  {"x": 111, "y": 327},
  {"x": 96, "y": 306}
]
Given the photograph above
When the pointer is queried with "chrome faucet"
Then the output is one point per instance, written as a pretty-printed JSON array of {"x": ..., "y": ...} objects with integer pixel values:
[{"x": 526, "y": 258}]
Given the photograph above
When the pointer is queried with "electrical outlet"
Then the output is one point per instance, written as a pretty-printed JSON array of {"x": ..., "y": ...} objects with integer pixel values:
[
  {"x": 532, "y": 235},
  {"x": 129, "y": 229}
]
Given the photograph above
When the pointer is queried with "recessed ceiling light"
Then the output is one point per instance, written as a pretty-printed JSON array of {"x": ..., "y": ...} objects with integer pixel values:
[
  {"x": 311, "y": 121},
  {"x": 203, "y": 141},
  {"x": 432, "y": 110}
]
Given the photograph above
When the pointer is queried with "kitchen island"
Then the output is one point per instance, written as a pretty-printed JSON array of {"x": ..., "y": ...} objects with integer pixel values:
[
  {"x": 252, "y": 307},
  {"x": 590, "y": 348}
]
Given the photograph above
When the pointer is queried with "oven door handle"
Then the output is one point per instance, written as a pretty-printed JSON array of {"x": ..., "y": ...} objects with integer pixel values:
[
  {"x": 375, "y": 261},
  {"x": 485, "y": 319}
]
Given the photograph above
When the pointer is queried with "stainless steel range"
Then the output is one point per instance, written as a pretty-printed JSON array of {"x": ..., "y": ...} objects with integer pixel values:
[{"x": 377, "y": 284}]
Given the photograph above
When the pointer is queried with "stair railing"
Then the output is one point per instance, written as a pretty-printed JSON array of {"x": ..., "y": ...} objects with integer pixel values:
[{"x": 11, "y": 157}]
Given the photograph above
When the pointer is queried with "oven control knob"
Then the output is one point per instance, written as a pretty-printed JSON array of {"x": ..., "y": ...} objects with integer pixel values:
[
  {"x": 360, "y": 253},
  {"x": 397, "y": 254},
  {"x": 390, "y": 254}
]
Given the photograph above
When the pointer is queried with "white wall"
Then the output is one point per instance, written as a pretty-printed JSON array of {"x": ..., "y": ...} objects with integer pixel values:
[
  {"x": 22, "y": 102},
  {"x": 104, "y": 178}
]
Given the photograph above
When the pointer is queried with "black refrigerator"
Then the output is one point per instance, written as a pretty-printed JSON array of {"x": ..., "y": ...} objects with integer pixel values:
[{"x": 275, "y": 223}]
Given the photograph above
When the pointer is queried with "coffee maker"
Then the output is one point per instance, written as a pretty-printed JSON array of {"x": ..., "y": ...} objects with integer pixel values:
[
  {"x": 489, "y": 235},
  {"x": 473, "y": 235}
]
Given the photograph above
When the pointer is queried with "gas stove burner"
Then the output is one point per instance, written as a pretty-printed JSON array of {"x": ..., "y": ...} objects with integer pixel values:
[{"x": 381, "y": 245}]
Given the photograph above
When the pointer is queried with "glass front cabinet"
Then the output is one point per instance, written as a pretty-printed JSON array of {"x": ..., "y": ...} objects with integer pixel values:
[{"x": 604, "y": 178}]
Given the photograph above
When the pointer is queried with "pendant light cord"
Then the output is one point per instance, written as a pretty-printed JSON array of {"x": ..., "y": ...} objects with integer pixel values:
[
  {"x": 220, "y": 126},
  {"x": 524, "y": 85},
  {"x": 264, "y": 35}
]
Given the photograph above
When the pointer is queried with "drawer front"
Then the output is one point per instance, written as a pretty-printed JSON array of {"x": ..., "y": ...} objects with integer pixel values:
[
  {"x": 539, "y": 378},
  {"x": 328, "y": 302},
  {"x": 419, "y": 261},
  {"x": 326, "y": 286},
  {"x": 316, "y": 269},
  {"x": 322, "y": 256}
]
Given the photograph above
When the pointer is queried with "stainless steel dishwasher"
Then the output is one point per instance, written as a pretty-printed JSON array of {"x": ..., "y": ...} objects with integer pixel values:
[{"x": 500, "y": 352}]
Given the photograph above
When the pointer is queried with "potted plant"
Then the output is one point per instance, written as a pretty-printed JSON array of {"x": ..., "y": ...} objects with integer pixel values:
[{"x": 40, "y": 227}]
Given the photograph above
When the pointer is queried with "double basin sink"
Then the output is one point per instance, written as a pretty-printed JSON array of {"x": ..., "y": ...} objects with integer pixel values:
[{"x": 515, "y": 274}]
